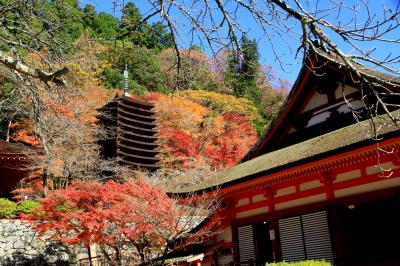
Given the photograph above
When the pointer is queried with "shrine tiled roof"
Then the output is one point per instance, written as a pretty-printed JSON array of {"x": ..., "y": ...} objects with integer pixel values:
[{"x": 11, "y": 148}]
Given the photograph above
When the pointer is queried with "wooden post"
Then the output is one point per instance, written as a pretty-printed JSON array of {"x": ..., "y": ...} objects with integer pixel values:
[
  {"x": 327, "y": 179},
  {"x": 273, "y": 225},
  {"x": 90, "y": 256}
]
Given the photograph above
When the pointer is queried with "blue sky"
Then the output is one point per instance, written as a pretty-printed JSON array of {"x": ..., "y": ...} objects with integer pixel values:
[{"x": 292, "y": 64}]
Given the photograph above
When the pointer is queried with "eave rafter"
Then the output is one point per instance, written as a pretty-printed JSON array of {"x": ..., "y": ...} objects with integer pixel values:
[{"x": 333, "y": 165}]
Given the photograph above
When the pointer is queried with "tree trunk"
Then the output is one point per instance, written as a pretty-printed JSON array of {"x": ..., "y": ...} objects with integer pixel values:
[
  {"x": 45, "y": 183},
  {"x": 108, "y": 258},
  {"x": 141, "y": 255},
  {"x": 8, "y": 131},
  {"x": 118, "y": 256},
  {"x": 18, "y": 66},
  {"x": 90, "y": 256},
  {"x": 164, "y": 255},
  {"x": 46, "y": 167}
]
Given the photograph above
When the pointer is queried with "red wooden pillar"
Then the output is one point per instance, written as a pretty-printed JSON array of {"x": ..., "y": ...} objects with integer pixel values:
[
  {"x": 327, "y": 179},
  {"x": 273, "y": 225},
  {"x": 232, "y": 218}
]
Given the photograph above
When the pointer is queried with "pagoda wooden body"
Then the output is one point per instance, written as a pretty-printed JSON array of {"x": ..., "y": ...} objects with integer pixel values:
[
  {"x": 311, "y": 188},
  {"x": 132, "y": 133}
]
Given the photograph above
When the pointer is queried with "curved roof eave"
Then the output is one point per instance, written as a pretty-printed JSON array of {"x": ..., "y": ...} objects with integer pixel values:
[{"x": 299, "y": 83}]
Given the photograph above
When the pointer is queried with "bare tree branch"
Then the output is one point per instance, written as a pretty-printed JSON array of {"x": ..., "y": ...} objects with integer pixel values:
[
  {"x": 41, "y": 75},
  {"x": 335, "y": 31}
]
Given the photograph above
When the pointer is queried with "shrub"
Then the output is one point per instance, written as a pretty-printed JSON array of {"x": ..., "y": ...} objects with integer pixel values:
[
  {"x": 300, "y": 263},
  {"x": 7, "y": 208},
  {"x": 27, "y": 206},
  {"x": 10, "y": 209}
]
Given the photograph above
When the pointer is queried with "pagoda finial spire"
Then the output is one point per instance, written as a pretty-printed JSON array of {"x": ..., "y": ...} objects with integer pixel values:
[{"x": 126, "y": 80}]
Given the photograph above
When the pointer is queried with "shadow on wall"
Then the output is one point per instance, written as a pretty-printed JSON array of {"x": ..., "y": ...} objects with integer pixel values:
[{"x": 54, "y": 254}]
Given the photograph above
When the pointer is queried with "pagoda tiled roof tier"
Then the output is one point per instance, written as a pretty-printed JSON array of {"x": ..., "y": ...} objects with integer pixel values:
[
  {"x": 129, "y": 156},
  {"x": 140, "y": 111},
  {"x": 149, "y": 167},
  {"x": 136, "y": 139},
  {"x": 138, "y": 144},
  {"x": 137, "y": 130},
  {"x": 138, "y": 151},
  {"x": 136, "y": 122},
  {"x": 135, "y": 104},
  {"x": 131, "y": 114}
]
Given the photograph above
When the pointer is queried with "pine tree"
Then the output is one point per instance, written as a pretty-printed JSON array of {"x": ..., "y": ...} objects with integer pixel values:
[
  {"x": 89, "y": 15},
  {"x": 140, "y": 33},
  {"x": 242, "y": 72}
]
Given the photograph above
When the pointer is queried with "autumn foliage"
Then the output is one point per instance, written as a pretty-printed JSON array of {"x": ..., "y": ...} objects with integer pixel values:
[
  {"x": 111, "y": 214},
  {"x": 130, "y": 221},
  {"x": 202, "y": 133},
  {"x": 223, "y": 103},
  {"x": 195, "y": 69},
  {"x": 23, "y": 132}
]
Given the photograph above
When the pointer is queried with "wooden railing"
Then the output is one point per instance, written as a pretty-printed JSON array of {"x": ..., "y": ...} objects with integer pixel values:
[{"x": 94, "y": 261}]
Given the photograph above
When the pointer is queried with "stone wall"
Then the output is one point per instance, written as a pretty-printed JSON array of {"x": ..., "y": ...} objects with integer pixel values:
[{"x": 20, "y": 246}]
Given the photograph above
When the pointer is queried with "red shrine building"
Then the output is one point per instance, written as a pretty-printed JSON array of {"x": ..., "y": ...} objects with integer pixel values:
[
  {"x": 15, "y": 164},
  {"x": 310, "y": 189}
]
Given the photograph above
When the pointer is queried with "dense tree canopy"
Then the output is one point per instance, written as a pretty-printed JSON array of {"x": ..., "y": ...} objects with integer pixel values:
[{"x": 131, "y": 222}]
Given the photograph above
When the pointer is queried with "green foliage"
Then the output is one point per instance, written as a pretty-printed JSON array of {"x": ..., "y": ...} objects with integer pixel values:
[
  {"x": 131, "y": 19},
  {"x": 9, "y": 108},
  {"x": 17, "y": 19},
  {"x": 242, "y": 72},
  {"x": 136, "y": 87},
  {"x": 112, "y": 78},
  {"x": 68, "y": 17},
  {"x": 300, "y": 263},
  {"x": 10, "y": 209},
  {"x": 140, "y": 33},
  {"x": 105, "y": 26},
  {"x": 7, "y": 208},
  {"x": 27, "y": 206},
  {"x": 156, "y": 37},
  {"x": 65, "y": 207},
  {"x": 143, "y": 67},
  {"x": 250, "y": 66},
  {"x": 6, "y": 86},
  {"x": 89, "y": 15}
]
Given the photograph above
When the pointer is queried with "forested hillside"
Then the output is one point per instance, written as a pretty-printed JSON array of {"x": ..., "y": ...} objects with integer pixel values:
[{"x": 209, "y": 112}]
